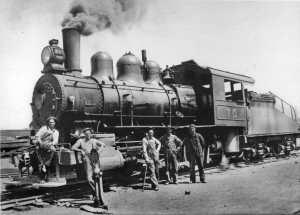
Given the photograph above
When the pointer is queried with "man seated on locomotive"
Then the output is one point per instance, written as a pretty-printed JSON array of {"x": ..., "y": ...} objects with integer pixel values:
[
  {"x": 85, "y": 146},
  {"x": 47, "y": 138},
  {"x": 171, "y": 144},
  {"x": 151, "y": 147}
]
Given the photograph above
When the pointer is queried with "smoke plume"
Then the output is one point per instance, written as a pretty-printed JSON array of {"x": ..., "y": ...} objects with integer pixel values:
[{"x": 90, "y": 16}]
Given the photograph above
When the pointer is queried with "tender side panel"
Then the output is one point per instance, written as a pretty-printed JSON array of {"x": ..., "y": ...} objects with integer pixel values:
[{"x": 265, "y": 119}]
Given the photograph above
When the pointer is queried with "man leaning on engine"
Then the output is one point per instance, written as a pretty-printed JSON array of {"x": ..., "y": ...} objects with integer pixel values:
[{"x": 85, "y": 146}]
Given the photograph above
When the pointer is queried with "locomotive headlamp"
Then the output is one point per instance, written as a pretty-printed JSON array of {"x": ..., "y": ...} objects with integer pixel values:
[
  {"x": 53, "y": 57},
  {"x": 46, "y": 55}
]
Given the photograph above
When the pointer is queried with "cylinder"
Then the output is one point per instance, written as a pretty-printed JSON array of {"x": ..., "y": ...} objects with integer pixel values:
[
  {"x": 112, "y": 162},
  {"x": 109, "y": 158},
  {"x": 102, "y": 65},
  {"x": 71, "y": 40}
]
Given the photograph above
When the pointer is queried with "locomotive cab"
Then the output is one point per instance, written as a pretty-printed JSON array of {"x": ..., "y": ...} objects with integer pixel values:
[
  {"x": 219, "y": 95},
  {"x": 229, "y": 98}
]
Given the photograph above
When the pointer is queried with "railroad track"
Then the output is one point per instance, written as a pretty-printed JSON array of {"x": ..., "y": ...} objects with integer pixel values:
[
  {"x": 254, "y": 162},
  {"x": 20, "y": 193},
  {"x": 25, "y": 196},
  {"x": 9, "y": 175},
  {"x": 47, "y": 197}
]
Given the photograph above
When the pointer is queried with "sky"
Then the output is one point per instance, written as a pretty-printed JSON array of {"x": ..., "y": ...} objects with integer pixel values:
[{"x": 260, "y": 39}]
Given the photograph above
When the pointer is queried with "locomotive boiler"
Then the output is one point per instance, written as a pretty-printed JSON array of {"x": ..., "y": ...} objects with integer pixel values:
[
  {"x": 235, "y": 122},
  {"x": 135, "y": 97}
]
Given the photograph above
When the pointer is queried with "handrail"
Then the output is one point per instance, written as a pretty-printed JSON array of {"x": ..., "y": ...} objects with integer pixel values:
[{"x": 170, "y": 105}]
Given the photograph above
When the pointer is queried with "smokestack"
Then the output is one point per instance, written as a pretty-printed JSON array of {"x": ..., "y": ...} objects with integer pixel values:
[{"x": 71, "y": 40}]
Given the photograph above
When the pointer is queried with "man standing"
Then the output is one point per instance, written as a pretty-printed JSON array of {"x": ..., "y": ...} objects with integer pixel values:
[
  {"x": 194, "y": 145},
  {"x": 47, "y": 138},
  {"x": 85, "y": 146},
  {"x": 151, "y": 147},
  {"x": 171, "y": 144}
]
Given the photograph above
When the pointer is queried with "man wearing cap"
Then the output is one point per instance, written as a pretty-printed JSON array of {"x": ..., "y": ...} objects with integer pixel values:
[
  {"x": 171, "y": 144},
  {"x": 47, "y": 138},
  {"x": 151, "y": 147},
  {"x": 85, "y": 146},
  {"x": 194, "y": 145}
]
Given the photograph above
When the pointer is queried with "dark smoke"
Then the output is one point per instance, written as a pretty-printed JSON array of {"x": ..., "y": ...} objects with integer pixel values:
[{"x": 90, "y": 16}]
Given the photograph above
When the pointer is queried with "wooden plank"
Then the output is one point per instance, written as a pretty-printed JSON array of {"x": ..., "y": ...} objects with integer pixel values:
[
  {"x": 42, "y": 205},
  {"x": 22, "y": 208},
  {"x": 14, "y": 145},
  {"x": 14, "y": 141}
]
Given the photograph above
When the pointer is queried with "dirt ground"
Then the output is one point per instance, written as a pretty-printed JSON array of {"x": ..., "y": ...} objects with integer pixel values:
[{"x": 271, "y": 188}]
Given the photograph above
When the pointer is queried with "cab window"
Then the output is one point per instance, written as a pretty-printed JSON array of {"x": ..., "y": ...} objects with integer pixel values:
[{"x": 233, "y": 90}]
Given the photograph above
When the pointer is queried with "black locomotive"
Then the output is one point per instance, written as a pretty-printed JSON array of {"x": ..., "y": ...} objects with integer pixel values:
[{"x": 119, "y": 108}]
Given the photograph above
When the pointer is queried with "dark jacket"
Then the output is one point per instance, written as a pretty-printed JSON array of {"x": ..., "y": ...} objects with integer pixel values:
[{"x": 194, "y": 145}]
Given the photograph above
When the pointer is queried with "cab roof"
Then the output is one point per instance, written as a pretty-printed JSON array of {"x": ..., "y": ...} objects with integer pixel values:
[{"x": 221, "y": 73}]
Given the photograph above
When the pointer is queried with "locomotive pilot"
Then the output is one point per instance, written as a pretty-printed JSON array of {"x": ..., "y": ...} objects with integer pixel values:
[
  {"x": 171, "y": 144},
  {"x": 47, "y": 138},
  {"x": 85, "y": 146},
  {"x": 194, "y": 145},
  {"x": 151, "y": 147}
]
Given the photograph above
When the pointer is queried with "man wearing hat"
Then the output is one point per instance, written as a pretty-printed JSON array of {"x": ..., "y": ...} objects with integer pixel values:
[
  {"x": 194, "y": 145},
  {"x": 47, "y": 138},
  {"x": 171, "y": 144},
  {"x": 85, "y": 146}
]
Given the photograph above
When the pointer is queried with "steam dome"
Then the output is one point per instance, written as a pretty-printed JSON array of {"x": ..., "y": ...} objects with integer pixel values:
[{"x": 129, "y": 69}]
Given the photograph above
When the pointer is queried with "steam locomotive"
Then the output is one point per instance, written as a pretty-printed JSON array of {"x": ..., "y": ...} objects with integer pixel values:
[{"x": 233, "y": 120}]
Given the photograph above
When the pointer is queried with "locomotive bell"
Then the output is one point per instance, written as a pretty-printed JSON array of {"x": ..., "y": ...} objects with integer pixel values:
[
  {"x": 102, "y": 65},
  {"x": 168, "y": 77},
  {"x": 152, "y": 74},
  {"x": 129, "y": 69}
]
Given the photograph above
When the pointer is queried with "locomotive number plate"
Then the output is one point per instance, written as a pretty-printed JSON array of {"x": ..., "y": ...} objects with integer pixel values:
[{"x": 231, "y": 113}]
